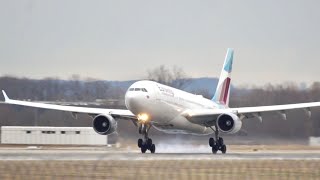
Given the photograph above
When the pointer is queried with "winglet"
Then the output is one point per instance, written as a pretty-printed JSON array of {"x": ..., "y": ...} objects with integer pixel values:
[{"x": 6, "y": 98}]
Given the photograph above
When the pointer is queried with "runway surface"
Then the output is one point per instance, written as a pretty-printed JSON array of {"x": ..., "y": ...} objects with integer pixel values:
[
  {"x": 128, "y": 163},
  {"x": 111, "y": 154}
]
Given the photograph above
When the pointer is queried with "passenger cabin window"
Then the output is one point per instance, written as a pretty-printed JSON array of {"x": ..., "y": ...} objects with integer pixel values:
[{"x": 48, "y": 132}]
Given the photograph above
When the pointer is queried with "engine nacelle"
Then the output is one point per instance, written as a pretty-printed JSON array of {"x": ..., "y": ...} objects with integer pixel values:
[
  {"x": 229, "y": 123},
  {"x": 104, "y": 124}
]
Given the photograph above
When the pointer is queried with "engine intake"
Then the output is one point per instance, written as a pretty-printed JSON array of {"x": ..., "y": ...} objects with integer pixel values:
[
  {"x": 229, "y": 123},
  {"x": 104, "y": 124}
]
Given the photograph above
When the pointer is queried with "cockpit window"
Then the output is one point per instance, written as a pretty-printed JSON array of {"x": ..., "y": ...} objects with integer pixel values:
[{"x": 138, "y": 89}]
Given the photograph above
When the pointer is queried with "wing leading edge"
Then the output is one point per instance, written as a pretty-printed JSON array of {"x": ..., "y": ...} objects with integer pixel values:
[{"x": 117, "y": 113}]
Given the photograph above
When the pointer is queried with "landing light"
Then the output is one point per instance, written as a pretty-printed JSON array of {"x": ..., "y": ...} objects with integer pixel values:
[{"x": 143, "y": 117}]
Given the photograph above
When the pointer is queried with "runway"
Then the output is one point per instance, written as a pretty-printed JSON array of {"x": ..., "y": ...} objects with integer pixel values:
[
  {"x": 111, "y": 154},
  {"x": 128, "y": 163}
]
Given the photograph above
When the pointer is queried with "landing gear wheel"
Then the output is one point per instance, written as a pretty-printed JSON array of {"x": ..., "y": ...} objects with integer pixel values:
[
  {"x": 152, "y": 148},
  {"x": 149, "y": 143},
  {"x": 140, "y": 142},
  {"x": 211, "y": 142},
  {"x": 220, "y": 141},
  {"x": 217, "y": 143},
  {"x": 145, "y": 143},
  {"x": 223, "y": 149},
  {"x": 143, "y": 149},
  {"x": 215, "y": 149}
]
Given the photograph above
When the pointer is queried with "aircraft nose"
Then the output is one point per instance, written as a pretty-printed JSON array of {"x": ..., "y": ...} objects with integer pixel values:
[
  {"x": 136, "y": 101},
  {"x": 132, "y": 101}
]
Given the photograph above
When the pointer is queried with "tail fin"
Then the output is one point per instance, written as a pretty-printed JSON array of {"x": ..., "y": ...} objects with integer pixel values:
[{"x": 221, "y": 95}]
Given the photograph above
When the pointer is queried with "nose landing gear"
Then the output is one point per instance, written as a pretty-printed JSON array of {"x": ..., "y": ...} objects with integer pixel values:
[{"x": 145, "y": 143}]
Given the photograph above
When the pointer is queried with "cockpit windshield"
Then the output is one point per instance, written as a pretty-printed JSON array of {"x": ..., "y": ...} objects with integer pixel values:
[{"x": 138, "y": 89}]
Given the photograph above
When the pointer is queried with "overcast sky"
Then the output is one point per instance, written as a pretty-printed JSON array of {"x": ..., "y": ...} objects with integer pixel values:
[{"x": 274, "y": 40}]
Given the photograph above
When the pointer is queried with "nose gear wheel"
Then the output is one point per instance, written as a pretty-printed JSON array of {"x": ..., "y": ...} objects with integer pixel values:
[{"x": 145, "y": 143}]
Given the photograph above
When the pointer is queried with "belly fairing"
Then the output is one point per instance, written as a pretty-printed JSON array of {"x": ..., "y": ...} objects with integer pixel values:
[{"x": 181, "y": 125}]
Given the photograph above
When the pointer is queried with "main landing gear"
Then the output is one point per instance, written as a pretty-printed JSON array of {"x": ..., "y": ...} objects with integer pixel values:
[
  {"x": 217, "y": 143},
  {"x": 145, "y": 143}
]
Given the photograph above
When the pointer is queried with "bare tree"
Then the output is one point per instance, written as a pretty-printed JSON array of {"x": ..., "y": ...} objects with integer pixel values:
[{"x": 174, "y": 77}]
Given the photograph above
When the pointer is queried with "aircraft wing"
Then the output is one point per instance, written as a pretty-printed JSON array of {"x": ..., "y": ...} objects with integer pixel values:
[
  {"x": 116, "y": 113},
  {"x": 208, "y": 116},
  {"x": 249, "y": 112}
]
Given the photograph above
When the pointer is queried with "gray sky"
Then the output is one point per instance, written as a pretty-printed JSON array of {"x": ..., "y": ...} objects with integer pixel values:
[{"x": 274, "y": 40}]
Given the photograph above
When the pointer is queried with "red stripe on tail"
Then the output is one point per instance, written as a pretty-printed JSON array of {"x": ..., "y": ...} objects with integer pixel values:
[{"x": 224, "y": 91}]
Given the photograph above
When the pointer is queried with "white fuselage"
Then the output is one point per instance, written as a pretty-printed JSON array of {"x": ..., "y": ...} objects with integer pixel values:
[{"x": 164, "y": 105}]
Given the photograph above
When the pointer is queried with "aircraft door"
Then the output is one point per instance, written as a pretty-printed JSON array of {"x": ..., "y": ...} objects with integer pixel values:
[{"x": 156, "y": 91}]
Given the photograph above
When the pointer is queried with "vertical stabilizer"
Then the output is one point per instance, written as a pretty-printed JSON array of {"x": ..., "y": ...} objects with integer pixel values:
[{"x": 221, "y": 95}]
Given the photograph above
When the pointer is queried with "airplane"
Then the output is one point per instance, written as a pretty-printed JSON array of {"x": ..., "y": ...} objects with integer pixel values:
[{"x": 151, "y": 104}]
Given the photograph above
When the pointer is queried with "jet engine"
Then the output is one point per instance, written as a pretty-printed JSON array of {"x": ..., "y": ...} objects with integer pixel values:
[
  {"x": 104, "y": 124},
  {"x": 229, "y": 123}
]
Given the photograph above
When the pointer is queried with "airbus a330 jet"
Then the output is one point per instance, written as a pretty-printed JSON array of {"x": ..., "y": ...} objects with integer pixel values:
[{"x": 150, "y": 104}]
